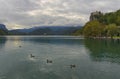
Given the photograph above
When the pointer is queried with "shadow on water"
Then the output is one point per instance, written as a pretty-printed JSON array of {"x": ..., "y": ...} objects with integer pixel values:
[
  {"x": 2, "y": 42},
  {"x": 104, "y": 50}
]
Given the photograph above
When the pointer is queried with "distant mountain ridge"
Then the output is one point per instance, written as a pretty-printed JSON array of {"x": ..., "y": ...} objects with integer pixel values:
[
  {"x": 40, "y": 30},
  {"x": 45, "y": 30}
]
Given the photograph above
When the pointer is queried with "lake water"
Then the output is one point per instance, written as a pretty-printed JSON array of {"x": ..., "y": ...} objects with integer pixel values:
[{"x": 94, "y": 59}]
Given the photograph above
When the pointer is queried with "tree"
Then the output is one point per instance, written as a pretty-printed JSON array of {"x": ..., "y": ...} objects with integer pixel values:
[
  {"x": 111, "y": 30},
  {"x": 78, "y": 32},
  {"x": 2, "y": 32},
  {"x": 118, "y": 20},
  {"x": 107, "y": 18},
  {"x": 93, "y": 29}
]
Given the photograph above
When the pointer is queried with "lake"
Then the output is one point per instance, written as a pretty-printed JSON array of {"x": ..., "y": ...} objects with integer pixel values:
[{"x": 92, "y": 58}]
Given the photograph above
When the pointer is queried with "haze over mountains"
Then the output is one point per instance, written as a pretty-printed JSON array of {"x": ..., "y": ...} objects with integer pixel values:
[
  {"x": 104, "y": 18},
  {"x": 40, "y": 30}
]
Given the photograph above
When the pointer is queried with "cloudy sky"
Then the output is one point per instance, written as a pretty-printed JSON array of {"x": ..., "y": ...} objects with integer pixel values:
[{"x": 28, "y": 13}]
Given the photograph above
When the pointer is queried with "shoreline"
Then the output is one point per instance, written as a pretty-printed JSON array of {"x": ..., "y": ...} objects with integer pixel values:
[
  {"x": 105, "y": 37},
  {"x": 73, "y": 36}
]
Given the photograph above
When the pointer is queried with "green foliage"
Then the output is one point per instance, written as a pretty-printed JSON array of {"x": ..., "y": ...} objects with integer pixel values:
[
  {"x": 111, "y": 30},
  {"x": 105, "y": 25},
  {"x": 96, "y": 29},
  {"x": 78, "y": 32},
  {"x": 103, "y": 48},
  {"x": 118, "y": 20},
  {"x": 110, "y": 18},
  {"x": 2, "y": 32},
  {"x": 93, "y": 28}
]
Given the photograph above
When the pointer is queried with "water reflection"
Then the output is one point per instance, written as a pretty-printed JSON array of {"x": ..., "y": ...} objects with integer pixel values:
[
  {"x": 104, "y": 50},
  {"x": 52, "y": 40},
  {"x": 2, "y": 42},
  {"x": 16, "y": 62},
  {"x": 28, "y": 70}
]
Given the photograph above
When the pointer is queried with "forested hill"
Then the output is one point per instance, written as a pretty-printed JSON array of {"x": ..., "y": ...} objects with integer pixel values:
[
  {"x": 101, "y": 25},
  {"x": 106, "y": 18},
  {"x": 3, "y": 30}
]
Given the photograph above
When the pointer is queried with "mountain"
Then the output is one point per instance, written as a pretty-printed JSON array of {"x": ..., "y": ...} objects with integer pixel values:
[
  {"x": 3, "y": 27},
  {"x": 3, "y": 30},
  {"x": 40, "y": 30},
  {"x": 46, "y": 30}
]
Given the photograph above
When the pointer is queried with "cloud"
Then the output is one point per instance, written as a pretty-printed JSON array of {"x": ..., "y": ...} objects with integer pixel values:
[{"x": 29, "y": 13}]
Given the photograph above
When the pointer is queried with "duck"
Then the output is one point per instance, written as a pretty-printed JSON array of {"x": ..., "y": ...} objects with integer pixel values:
[
  {"x": 32, "y": 56},
  {"x": 20, "y": 46},
  {"x": 49, "y": 61},
  {"x": 72, "y": 66}
]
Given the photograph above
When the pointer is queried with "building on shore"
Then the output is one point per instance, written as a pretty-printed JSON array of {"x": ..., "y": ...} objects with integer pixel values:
[{"x": 95, "y": 15}]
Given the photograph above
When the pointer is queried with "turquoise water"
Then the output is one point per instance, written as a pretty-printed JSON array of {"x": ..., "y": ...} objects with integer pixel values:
[{"x": 94, "y": 59}]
